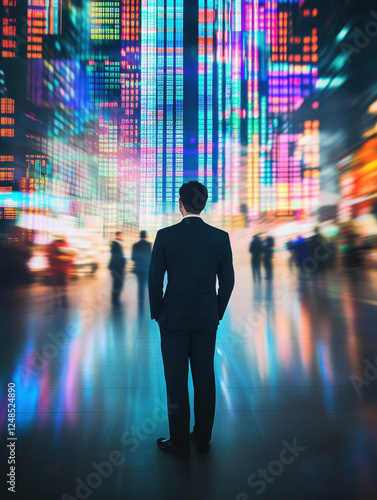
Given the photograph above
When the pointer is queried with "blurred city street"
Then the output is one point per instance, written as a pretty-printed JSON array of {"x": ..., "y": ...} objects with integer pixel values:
[
  {"x": 120, "y": 119},
  {"x": 295, "y": 370}
]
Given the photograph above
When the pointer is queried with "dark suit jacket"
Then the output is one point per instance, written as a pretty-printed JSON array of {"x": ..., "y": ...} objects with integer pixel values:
[
  {"x": 193, "y": 253},
  {"x": 118, "y": 260},
  {"x": 141, "y": 255}
]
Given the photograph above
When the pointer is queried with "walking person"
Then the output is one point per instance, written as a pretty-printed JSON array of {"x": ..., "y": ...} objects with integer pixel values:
[
  {"x": 141, "y": 255},
  {"x": 268, "y": 253},
  {"x": 318, "y": 253},
  {"x": 256, "y": 250},
  {"x": 117, "y": 268},
  {"x": 193, "y": 253},
  {"x": 301, "y": 252}
]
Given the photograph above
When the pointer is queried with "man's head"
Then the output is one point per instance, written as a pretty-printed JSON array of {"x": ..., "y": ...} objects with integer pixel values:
[
  {"x": 119, "y": 235},
  {"x": 143, "y": 235},
  {"x": 192, "y": 197}
]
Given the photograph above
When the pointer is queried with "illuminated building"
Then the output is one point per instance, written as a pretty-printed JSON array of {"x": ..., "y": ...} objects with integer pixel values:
[
  {"x": 104, "y": 20},
  {"x": 129, "y": 146},
  {"x": 114, "y": 86},
  {"x": 8, "y": 28},
  {"x": 60, "y": 177},
  {"x": 266, "y": 65},
  {"x": 161, "y": 101},
  {"x": 358, "y": 181},
  {"x": 44, "y": 17},
  {"x": 8, "y": 209},
  {"x": 134, "y": 97}
]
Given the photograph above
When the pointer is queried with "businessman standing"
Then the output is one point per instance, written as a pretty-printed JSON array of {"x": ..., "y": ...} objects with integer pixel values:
[
  {"x": 117, "y": 268},
  {"x": 193, "y": 253},
  {"x": 141, "y": 255}
]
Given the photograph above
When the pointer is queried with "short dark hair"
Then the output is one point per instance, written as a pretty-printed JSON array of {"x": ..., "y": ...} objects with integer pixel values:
[
  {"x": 194, "y": 196},
  {"x": 143, "y": 234},
  {"x": 118, "y": 233}
]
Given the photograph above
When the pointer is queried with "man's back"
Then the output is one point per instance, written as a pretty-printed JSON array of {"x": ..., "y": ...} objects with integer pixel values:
[{"x": 193, "y": 253}]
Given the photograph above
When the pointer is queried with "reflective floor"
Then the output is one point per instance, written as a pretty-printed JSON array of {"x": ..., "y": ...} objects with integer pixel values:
[{"x": 296, "y": 394}]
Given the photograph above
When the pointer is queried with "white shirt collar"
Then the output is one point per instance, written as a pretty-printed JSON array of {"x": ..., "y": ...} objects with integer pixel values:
[{"x": 192, "y": 215}]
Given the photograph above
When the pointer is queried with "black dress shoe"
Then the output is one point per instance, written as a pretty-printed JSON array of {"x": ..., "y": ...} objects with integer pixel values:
[
  {"x": 168, "y": 447},
  {"x": 201, "y": 447}
]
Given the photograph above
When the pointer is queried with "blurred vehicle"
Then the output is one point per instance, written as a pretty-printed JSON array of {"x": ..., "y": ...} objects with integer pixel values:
[
  {"x": 85, "y": 262},
  {"x": 38, "y": 264}
]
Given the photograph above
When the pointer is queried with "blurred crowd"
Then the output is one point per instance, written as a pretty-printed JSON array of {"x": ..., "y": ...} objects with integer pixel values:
[
  {"x": 311, "y": 255},
  {"x": 53, "y": 264},
  {"x": 314, "y": 254}
]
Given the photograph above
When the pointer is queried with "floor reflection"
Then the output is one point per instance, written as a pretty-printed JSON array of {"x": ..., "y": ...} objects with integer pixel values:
[{"x": 291, "y": 363}]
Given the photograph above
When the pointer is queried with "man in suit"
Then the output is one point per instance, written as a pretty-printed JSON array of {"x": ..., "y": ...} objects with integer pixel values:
[
  {"x": 268, "y": 253},
  {"x": 193, "y": 253},
  {"x": 117, "y": 267},
  {"x": 141, "y": 255},
  {"x": 256, "y": 257}
]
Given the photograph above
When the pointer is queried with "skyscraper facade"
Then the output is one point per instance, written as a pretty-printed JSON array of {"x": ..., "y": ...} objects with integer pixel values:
[
  {"x": 262, "y": 55},
  {"x": 161, "y": 100},
  {"x": 255, "y": 142},
  {"x": 123, "y": 100}
]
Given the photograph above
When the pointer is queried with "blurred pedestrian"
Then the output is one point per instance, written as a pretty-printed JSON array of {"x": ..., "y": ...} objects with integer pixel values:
[
  {"x": 268, "y": 252},
  {"x": 354, "y": 254},
  {"x": 141, "y": 255},
  {"x": 318, "y": 252},
  {"x": 301, "y": 252},
  {"x": 117, "y": 267},
  {"x": 256, "y": 250},
  {"x": 292, "y": 258},
  {"x": 60, "y": 259}
]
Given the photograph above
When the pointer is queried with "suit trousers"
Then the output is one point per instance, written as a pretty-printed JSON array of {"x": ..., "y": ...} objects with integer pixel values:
[
  {"x": 117, "y": 276},
  {"x": 142, "y": 282},
  {"x": 178, "y": 349}
]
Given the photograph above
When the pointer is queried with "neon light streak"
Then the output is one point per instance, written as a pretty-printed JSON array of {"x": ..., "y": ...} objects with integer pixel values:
[
  {"x": 169, "y": 104},
  {"x": 201, "y": 90},
  {"x": 178, "y": 100}
]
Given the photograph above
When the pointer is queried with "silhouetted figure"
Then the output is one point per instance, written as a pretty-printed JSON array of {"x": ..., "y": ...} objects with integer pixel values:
[
  {"x": 193, "y": 253},
  {"x": 292, "y": 257},
  {"x": 117, "y": 268},
  {"x": 60, "y": 259},
  {"x": 353, "y": 255},
  {"x": 318, "y": 253},
  {"x": 256, "y": 250},
  {"x": 141, "y": 255},
  {"x": 301, "y": 251},
  {"x": 268, "y": 252}
]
